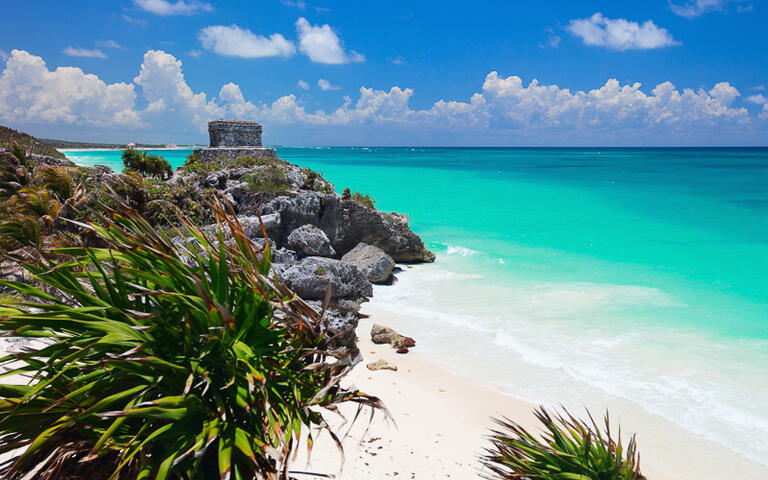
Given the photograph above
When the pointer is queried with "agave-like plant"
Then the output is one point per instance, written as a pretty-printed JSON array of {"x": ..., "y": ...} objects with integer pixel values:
[
  {"x": 568, "y": 449},
  {"x": 160, "y": 359},
  {"x": 56, "y": 180},
  {"x": 14, "y": 174}
]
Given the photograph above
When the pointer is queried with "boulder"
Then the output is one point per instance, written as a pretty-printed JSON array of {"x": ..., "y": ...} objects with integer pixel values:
[
  {"x": 381, "y": 334},
  {"x": 381, "y": 364},
  {"x": 371, "y": 260},
  {"x": 310, "y": 241},
  {"x": 312, "y": 276},
  {"x": 347, "y": 222},
  {"x": 216, "y": 180}
]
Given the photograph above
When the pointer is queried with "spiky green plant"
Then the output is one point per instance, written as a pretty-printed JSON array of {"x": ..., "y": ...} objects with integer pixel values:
[
  {"x": 152, "y": 360},
  {"x": 56, "y": 180},
  {"x": 14, "y": 174},
  {"x": 567, "y": 449}
]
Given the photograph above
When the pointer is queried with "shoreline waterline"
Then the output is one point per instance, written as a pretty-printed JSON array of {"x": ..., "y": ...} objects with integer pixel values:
[{"x": 668, "y": 450}]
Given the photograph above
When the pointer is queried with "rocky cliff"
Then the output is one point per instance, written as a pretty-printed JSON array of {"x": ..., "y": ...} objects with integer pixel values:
[{"x": 320, "y": 240}]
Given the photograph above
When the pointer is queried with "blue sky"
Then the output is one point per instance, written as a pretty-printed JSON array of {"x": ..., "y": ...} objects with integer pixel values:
[{"x": 679, "y": 72}]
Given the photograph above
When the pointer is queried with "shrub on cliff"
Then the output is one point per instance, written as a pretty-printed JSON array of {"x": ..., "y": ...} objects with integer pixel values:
[
  {"x": 568, "y": 449},
  {"x": 164, "y": 362},
  {"x": 194, "y": 165},
  {"x": 267, "y": 180},
  {"x": 366, "y": 199},
  {"x": 146, "y": 163}
]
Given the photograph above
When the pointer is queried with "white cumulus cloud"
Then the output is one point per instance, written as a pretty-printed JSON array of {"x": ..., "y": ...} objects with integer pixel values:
[
  {"x": 504, "y": 107},
  {"x": 321, "y": 44},
  {"x": 170, "y": 99},
  {"x": 325, "y": 85},
  {"x": 234, "y": 41},
  {"x": 31, "y": 93},
  {"x": 180, "y": 7},
  {"x": 84, "y": 52},
  {"x": 620, "y": 34},
  {"x": 303, "y": 85}
]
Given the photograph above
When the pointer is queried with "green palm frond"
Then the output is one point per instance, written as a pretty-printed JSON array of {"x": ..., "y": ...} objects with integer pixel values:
[
  {"x": 56, "y": 180},
  {"x": 568, "y": 449},
  {"x": 158, "y": 360}
]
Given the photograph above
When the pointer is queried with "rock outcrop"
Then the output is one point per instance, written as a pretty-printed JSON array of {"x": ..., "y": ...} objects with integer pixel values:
[
  {"x": 347, "y": 223},
  {"x": 311, "y": 278},
  {"x": 319, "y": 240},
  {"x": 381, "y": 364},
  {"x": 309, "y": 240},
  {"x": 381, "y": 334},
  {"x": 371, "y": 260}
]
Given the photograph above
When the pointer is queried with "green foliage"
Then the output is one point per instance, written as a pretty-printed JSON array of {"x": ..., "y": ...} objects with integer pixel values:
[
  {"x": 146, "y": 164},
  {"x": 569, "y": 449},
  {"x": 346, "y": 194},
  {"x": 194, "y": 165},
  {"x": 163, "y": 363},
  {"x": 267, "y": 180},
  {"x": 320, "y": 270},
  {"x": 165, "y": 201},
  {"x": 10, "y": 138},
  {"x": 366, "y": 199},
  {"x": 10, "y": 299},
  {"x": 14, "y": 175},
  {"x": 20, "y": 231},
  {"x": 31, "y": 201},
  {"x": 56, "y": 180}
]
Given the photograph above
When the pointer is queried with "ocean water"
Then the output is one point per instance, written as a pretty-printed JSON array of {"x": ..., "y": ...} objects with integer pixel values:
[{"x": 633, "y": 279}]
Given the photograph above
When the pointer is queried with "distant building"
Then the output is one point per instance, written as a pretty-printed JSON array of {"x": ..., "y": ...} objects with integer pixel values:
[
  {"x": 171, "y": 145},
  {"x": 131, "y": 145}
]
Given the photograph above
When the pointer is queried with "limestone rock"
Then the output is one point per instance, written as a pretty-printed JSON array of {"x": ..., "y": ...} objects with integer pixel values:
[
  {"x": 371, "y": 260},
  {"x": 312, "y": 276},
  {"x": 381, "y": 364},
  {"x": 310, "y": 241},
  {"x": 381, "y": 334},
  {"x": 347, "y": 223}
]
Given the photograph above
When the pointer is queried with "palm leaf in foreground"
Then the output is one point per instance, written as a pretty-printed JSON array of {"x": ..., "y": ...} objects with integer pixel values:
[
  {"x": 567, "y": 449},
  {"x": 153, "y": 359}
]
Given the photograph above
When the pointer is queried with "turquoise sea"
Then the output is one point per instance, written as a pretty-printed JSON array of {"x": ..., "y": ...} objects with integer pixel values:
[{"x": 629, "y": 278}]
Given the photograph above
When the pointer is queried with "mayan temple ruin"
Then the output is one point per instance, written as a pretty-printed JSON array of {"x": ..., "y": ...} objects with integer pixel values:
[{"x": 234, "y": 138}]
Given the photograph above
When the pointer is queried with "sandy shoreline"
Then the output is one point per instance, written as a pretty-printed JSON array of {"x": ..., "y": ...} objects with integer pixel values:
[
  {"x": 443, "y": 419},
  {"x": 442, "y": 422}
]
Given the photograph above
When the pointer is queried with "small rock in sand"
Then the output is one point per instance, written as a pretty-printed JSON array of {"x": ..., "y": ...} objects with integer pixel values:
[
  {"x": 381, "y": 364},
  {"x": 381, "y": 334}
]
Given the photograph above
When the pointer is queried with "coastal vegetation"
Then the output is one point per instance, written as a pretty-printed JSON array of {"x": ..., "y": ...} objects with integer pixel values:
[
  {"x": 363, "y": 199},
  {"x": 194, "y": 165},
  {"x": 10, "y": 138},
  {"x": 146, "y": 163},
  {"x": 154, "y": 360},
  {"x": 33, "y": 198},
  {"x": 568, "y": 449}
]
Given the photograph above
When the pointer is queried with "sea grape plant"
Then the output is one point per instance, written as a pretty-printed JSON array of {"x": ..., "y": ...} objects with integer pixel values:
[
  {"x": 153, "y": 358},
  {"x": 567, "y": 449}
]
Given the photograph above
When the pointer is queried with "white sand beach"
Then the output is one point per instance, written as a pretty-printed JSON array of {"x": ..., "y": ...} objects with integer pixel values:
[{"x": 443, "y": 420}]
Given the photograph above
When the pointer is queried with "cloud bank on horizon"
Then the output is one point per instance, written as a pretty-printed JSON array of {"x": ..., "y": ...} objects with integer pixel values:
[
  {"x": 323, "y": 89},
  {"x": 32, "y": 93}
]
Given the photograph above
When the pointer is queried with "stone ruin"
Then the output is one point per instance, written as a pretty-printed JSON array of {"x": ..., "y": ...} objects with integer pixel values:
[{"x": 232, "y": 139}]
